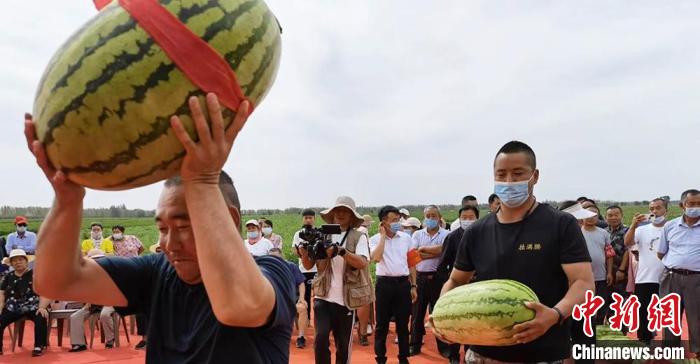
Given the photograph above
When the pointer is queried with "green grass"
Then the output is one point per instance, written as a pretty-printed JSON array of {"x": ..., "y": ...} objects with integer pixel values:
[{"x": 285, "y": 224}]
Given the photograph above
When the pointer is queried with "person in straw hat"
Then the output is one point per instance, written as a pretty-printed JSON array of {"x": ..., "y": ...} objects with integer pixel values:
[
  {"x": 343, "y": 283},
  {"x": 18, "y": 300}
]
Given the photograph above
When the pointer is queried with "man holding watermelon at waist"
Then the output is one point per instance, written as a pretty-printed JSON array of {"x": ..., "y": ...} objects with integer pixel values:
[
  {"x": 531, "y": 243},
  {"x": 207, "y": 302}
]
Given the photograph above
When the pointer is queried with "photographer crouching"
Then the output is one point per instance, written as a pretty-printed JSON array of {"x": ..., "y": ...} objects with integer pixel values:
[{"x": 341, "y": 254}]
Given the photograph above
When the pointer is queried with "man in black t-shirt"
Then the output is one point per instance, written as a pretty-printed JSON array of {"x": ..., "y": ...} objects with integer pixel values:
[
  {"x": 208, "y": 299},
  {"x": 531, "y": 243}
]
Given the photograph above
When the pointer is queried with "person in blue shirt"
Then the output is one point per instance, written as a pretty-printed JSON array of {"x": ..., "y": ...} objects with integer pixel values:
[
  {"x": 208, "y": 299},
  {"x": 21, "y": 238},
  {"x": 679, "y": 251}
]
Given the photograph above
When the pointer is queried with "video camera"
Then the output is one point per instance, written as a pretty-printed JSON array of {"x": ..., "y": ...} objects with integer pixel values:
[{"x": 316, "y": 241}]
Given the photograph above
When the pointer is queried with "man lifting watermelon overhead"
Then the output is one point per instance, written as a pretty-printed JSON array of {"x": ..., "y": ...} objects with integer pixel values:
[
  {"x": 112, "y": 79},
  {"x": 524, "y": 241}
]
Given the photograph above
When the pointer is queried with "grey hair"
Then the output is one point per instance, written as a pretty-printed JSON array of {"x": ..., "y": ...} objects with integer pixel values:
[{"x": 430, "y": 207}]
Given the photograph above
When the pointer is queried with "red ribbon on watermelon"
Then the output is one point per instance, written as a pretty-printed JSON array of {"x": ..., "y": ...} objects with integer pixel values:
[{"x": 201, "y": 63}]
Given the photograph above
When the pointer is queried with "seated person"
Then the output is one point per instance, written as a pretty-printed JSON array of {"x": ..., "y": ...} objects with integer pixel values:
[
  {"x": 77, "y": 328},
  {"x": 97, "y": 241},
  {"x": 18, "y": 300}
]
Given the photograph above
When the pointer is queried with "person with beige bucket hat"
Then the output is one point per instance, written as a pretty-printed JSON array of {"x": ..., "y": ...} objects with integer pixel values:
[{"x": 343, "y": 283}]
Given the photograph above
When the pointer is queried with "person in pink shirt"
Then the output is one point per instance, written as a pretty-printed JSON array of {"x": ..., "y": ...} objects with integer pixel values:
[{"x": 125, "y": 245}]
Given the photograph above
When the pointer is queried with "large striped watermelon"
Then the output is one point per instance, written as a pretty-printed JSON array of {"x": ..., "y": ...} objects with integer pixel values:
[
  {"x": 483, "y": 313},
  {"x": 103, "y": 106}
]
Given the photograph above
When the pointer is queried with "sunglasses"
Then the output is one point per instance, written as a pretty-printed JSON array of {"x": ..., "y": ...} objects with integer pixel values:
[{"x": 25, "y": 225}]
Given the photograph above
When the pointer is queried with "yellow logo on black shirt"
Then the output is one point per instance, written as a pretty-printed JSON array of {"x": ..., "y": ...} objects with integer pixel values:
[{"x": 530, "y": 246}]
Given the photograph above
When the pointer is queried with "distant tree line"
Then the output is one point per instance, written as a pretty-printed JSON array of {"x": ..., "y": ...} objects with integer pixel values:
[{"x": 7, "y": 212}]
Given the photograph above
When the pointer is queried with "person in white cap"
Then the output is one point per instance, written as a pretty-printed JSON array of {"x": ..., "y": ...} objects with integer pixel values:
[
  {"x": 77, "y": 328},
  {"x": 411, "y": 225},
  {"x": 208, "y": 299},
  {"x": 18, "y": 299},
  {"x": 255, "y": 242},
  {"x": 405, "y": 214},
  {"x": 343, "y": 283}
]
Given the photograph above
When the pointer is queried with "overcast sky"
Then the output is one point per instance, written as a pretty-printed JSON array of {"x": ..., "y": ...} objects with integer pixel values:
[{"x": 406, "y": 102}]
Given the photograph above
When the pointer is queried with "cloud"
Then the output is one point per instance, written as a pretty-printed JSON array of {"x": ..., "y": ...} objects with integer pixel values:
[{"x": 406, "y": 101}]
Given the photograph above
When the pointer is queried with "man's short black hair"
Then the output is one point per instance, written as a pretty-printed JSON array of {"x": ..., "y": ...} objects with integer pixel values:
[
  {"x": 515, "y": 146},
  {"x": 384, "y": 211},
  {"x": 268, "y": 222},
  {"x": 468, "y": 198},
  {"x": 581, "y": 199},
  {"x": 96, "y": 224},
  {"x": 492, "y": 198},
  {"x": 119, "y": 227},
  {"x": 308, "y": 212},
  {"x": 469, "y": 208},
  {"x": 225, "y": 185},
  {"x": 663, "y": 201},
  {"x": 611, "y": 207},
  {"x": 687, "y": 193},
  {"x": 566, "y": 204}
]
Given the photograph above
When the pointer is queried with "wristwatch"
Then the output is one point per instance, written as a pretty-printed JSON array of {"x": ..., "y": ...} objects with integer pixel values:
[
  {"x": 561, "y": 316},
  {"x": 413, "y": 286}
]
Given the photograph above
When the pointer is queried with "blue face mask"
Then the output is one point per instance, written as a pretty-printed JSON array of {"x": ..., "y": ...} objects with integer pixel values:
[
  {"x": 252, "y": 235},
  {"x": 395, "y": 227},
  {"x": 512, "y": 194},
  {"x": 692, "y": 212},
  {"x": 430, "y": 224}
]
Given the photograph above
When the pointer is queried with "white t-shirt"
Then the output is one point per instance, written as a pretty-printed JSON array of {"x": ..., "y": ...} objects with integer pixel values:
[
  {"x": 335, "y": 292},
  {"x": 394, "y": 262},
  {"x": 262, "y": 247},
  {"x": 650, "y": 267},
  {"x": 455, "y": 225},
  {"x": 295, "y": 243}
]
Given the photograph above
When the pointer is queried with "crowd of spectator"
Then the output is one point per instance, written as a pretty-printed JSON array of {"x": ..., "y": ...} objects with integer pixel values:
[{"x": 560, "y": 252}]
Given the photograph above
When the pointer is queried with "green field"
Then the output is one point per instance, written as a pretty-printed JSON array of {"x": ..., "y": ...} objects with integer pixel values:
[{"x": 284, "y": 224}]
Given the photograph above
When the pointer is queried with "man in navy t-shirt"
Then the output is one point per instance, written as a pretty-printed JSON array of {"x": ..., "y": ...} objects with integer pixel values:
[{"x": 208, "y": 299}]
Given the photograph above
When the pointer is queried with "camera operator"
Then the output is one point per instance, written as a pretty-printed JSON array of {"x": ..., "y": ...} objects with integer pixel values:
[
  {"x": 308, "y": 219},
  {"x": 342, "y": 283}
]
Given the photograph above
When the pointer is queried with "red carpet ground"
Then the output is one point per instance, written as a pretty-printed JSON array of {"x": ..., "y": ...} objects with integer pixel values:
[{"x": 126, "y": 354}]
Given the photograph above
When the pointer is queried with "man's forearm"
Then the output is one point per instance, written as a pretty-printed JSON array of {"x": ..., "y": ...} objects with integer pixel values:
[
  {"x": 236, "y": 302},
  {"x": 609, "y": 264},
  {"x": 412, "y": 275},
  {"x": 574, "y": 296},
  {"x": 58, "y": 259},
  {"x": 629, "y": 236},
  {"x": 378, "y": 252}
]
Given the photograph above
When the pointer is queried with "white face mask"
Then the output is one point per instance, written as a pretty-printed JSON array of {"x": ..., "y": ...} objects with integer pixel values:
[
  {"x": 96, "y": 235},
  {"x": 267, "y": 230},
  {"x": 466, "y": 223},
  {"x": 118, "y": 236},
  {"x": 658, "y": 220},
  {"x": 21, "y": 229}
]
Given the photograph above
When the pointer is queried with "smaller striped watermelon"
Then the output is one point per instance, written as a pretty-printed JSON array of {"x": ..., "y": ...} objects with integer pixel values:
[{"x": 483, "y": 313}]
